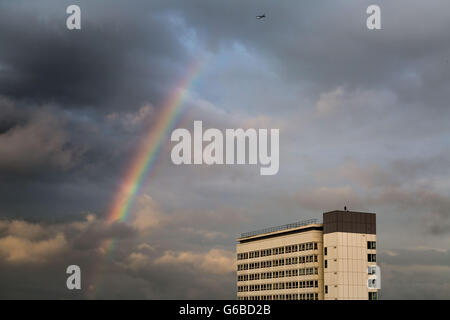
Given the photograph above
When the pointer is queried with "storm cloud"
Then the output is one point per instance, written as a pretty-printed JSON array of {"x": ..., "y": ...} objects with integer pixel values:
[{"x": 363, "y": 118}]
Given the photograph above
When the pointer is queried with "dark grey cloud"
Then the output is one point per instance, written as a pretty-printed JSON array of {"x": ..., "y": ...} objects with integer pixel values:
[
  {"x": 122, "y": 58},
  {"x": 74, "y": 104},
  {"x": 69, "y": 162},
  {"x": 39, "y": 142},
  {"x": 363, "y": 119},
  {"x": 415, "y": 273},
  {"x": 124, "y": 54},
  {"x": 143, "y": 263},
  {"x": 325, "y": 45}
]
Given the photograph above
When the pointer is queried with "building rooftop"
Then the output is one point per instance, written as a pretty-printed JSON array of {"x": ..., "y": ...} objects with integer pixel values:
[{"x": 280, "y": 228}]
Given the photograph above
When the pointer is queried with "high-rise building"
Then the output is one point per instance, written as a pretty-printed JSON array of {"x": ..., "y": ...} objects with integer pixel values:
[{"x": 308, "y": 260}]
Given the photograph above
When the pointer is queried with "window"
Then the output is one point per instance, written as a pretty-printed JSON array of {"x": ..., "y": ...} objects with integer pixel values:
[
  {"x": 371, "y": 257},
  {"x": 371, "y": 245},
  {"x": 326, "y": 290},
  {"x": 373, "y": 296},
  {"x": 315, "y": 245},
  {"x": 372, "y": 283},
  {"x": 325, "y": 251},
  {"x": 326, "y": 263},
  {"x": 371, "y": 270}
]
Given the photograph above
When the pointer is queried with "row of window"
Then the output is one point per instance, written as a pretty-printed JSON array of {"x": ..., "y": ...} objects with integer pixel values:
[
  {"x": 371, "y": 245},
  {"x": 280, "y": 286},
  {"x": 277, "y": 262},
  {"x": 372, "y": 295},
  {"x": 279, "y": 250},
  {"x": 278, "y": 274},
  {"x": 371, "y": 257},
  {"x": 291, "y": 296}
]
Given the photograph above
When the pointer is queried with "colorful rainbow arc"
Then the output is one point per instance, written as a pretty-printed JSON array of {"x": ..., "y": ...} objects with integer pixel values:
[
  {"x": 145, "y": 160},
  {"x": 148, "y": 152}
]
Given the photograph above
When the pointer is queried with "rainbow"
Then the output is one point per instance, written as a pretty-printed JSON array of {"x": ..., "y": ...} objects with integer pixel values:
[
  {"x": 142, "y": 164},
  {"x": 148, "y": 152}
]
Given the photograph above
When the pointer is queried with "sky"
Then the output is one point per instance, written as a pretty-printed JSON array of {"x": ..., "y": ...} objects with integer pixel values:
[{"x": 363, "y": 117}]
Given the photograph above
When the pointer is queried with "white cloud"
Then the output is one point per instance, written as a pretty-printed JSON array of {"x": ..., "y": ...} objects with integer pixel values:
[
  {"x": 14, "y": 249},
  {"x": 148, "y": 216},
  {"x": 215, "y": 261}
]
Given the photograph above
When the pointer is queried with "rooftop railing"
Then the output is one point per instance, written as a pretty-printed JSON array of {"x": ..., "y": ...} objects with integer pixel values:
[{"x": 279, "y": 228}]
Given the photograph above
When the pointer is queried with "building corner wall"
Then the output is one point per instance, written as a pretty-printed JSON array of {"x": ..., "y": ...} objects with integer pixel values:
[{"x": 347, "y": 239}]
